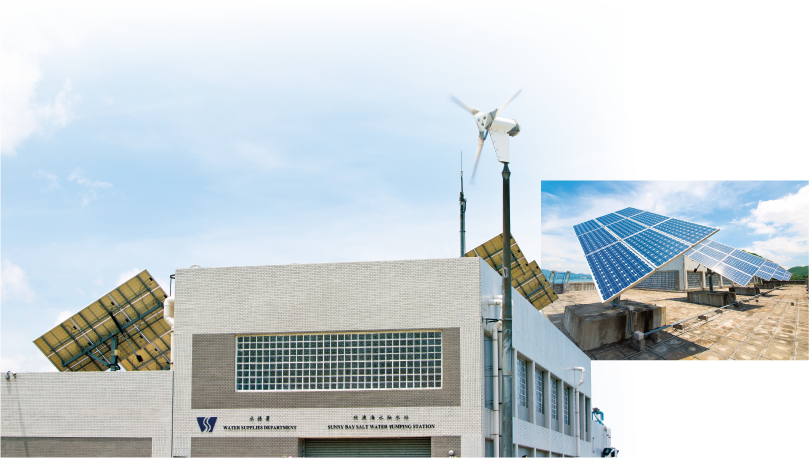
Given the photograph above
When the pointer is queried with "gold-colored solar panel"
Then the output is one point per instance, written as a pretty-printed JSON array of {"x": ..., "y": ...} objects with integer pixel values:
[
  {"x": 129, "y": 318},
  {"x": 526, "y": 278}
]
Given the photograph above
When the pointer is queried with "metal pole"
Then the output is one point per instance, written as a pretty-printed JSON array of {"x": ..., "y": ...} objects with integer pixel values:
[
  {"x": 507, "y": 362},
  {"x": 463, "y": 224}
]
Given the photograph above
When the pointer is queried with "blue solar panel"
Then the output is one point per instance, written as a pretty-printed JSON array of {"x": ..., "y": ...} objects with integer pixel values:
[
  {"x": 586, "y": 226},
  {"x": 609, "y": 219},
  {"x": 625, "y": 228},
  {"x": 718, "y": 255},
  {"x": 741, "y": 265},
  {"x": 649, "y": 218},
  {"x": 595, "y": 240},
  {"x": 720, "y": 246},
  {"x": 629, "y": 211},
  {"x": 684, "y": 230},
  {"x": 615, "y": 268},
  {"x": 747, "y": 257},
  {"x": 706, "y": 261},
  {"x": 733, "y": 274},
  {"x": 656, "y": 247}
]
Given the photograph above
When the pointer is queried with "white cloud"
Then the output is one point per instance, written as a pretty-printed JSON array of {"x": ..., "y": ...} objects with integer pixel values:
[
  {"x": 92, "y": 186},
  {"x": 62, "y": 316},
  {"x": 29, "y": 30},
  {"x": 51, "y": 179},
  {"x": 124, "y": 276},
  {"x": 15, "y": 283},
  {"x": 786, "y": 221}
]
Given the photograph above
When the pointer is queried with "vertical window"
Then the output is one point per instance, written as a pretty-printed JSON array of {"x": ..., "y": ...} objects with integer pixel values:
[
  {"x": 488, "y": 373},
  {"x": 538, "y": 390},
  {"x": 554, "y": 414},
  {"x": 522, "y": 378},
  {"x": 567, "y": 402}
]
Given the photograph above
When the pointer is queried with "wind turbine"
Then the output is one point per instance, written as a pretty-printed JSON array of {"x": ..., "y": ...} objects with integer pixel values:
[
  {"x": 490, "y": 124},
  {"x": 500, "y": 130}
]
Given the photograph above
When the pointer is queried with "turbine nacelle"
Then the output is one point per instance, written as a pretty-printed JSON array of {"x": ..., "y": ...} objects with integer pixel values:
[{"x": 500, "y": 129}]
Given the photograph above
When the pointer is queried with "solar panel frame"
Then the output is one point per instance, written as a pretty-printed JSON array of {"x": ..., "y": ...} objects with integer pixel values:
[
  {"x": 629, "y": 211},
  {"x": 648, "y": 218},
  {"x": 131, "y": 314},
  {"x": 739, "y": 265},
  {"x": 526, "y": 277}
]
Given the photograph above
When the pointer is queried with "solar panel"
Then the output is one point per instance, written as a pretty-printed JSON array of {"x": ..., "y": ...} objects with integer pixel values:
[
  {"x": 625, "y": 228},
  {"x": 128, "y": 319},
  {"x": 595, "y": 240},
  {"x": 629, "y": 211},
  {"x": 586, "y": 226},
  {"x": 649, "y": 218},
  {"x": 624, "y": 247},
  {"x": 526, "y": 278}
]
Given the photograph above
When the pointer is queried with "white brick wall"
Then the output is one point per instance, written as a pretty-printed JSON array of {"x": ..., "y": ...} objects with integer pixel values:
[
  {"x": 436, "y": 293},
  {"x": 89, "y": 404}
]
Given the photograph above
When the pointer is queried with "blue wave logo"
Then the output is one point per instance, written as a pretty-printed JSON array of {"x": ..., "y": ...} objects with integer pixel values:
[{"x": 206, "y": 423}]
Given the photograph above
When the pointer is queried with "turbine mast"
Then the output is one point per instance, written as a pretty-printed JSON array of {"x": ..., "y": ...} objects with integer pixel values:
[{"x": 462, "y": 201}]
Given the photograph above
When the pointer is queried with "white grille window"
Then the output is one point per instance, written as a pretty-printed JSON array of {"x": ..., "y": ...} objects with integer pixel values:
[
  {"x": 522, "y": 379},
  {"x": 538, "y": 390},
  {"x": 554, "y": 414},
  {"x": 567, "y": 400},
  {"x": 355, "y": 361}
]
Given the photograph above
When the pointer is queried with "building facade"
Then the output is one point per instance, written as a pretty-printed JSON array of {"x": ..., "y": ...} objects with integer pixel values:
[{"x": 382, "y": 358}]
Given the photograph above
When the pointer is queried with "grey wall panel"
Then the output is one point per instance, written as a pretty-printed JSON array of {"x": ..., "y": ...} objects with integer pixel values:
[
  {"x": 214, "y": 374},
  {"x": 76, "y": 446},
  {"x": 244, "y": 446},
  {"x": 441, "y": 445}
]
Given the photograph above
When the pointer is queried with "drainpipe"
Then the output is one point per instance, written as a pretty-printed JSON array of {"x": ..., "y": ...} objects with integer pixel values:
[
  {"x": 576, "y": 401},
  {"x": 498, "y": 329},
  {"x": 168, "y": 315}
]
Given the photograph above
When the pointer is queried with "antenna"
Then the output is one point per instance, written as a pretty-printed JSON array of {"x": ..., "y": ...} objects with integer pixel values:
[{"x": 462, "y": 200}]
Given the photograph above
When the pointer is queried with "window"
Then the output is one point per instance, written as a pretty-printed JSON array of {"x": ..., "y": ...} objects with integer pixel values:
[
  {"x": 522, "y": 382},
  {"x": 554, "y": 414},
  {"x": 488, "y": 373},
  {"x": 538, "y": 390},
  {"x": 356, "y": 361},
  {"x": 567, "y": 402}
]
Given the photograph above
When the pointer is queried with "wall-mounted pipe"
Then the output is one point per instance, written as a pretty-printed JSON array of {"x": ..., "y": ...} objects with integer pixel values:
[{"x": 577, "y": 404}]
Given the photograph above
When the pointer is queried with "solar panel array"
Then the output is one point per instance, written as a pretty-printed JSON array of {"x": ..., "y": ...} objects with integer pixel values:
[
  {"x": 624, "y": 247},
  {"x": 526, "y": 277},
  {"x": 731, "y": 263},
  {"x": 130, "y": 317},
  {"x": 736, "y": 264}
]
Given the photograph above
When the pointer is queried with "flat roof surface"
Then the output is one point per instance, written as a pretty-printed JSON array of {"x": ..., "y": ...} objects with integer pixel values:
[{"x": 770, "y": 329}]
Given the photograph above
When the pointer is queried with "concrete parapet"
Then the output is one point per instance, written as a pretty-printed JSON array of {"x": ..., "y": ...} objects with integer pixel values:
[
  {"x": 716, "y": 298},
  {"x": 594, "y": 325}
]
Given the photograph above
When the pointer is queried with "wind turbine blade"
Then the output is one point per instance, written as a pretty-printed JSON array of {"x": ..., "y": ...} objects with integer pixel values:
[
  {"x": 503, "y": 106},
  {"x": 466, "y": 107},
  {"x": 477, "y": 157}
]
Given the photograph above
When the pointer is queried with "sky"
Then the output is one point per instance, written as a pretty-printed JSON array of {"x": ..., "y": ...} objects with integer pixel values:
[
  {"x": 769, "y": 218},
  {"x": 158, "y": 136}
]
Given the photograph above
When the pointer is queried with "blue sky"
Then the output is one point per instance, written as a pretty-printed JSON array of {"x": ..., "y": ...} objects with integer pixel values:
[
  {"x": 770, "y": 218},
  {"x": 158, "y": 136}
]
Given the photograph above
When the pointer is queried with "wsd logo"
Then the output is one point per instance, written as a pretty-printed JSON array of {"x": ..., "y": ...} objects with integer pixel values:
[{"x": 206, "y": 423}]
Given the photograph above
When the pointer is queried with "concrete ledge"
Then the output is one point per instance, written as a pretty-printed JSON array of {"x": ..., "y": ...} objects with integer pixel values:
[
  {"x": 716, "y": 298},
  {"x": 594, "y": 325}
]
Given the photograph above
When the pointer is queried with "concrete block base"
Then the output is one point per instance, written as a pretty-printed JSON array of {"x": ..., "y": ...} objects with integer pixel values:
[
  {"x": 744, "y": 291},
  {"x": 594, "y": 325},
  {"x": 716, "y": 298}
]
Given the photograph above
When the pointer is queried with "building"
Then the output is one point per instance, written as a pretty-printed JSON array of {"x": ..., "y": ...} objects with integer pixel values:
[
  {"x": 682, "y": 274},
  {"x": 321, "y": 359}
]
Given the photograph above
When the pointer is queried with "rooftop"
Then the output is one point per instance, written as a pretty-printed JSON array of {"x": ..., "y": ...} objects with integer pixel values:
[{"x": 771, "y": 327}]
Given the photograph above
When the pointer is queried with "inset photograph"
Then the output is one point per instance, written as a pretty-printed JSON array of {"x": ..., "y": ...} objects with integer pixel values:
[{"x": 678, "y": 270}]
